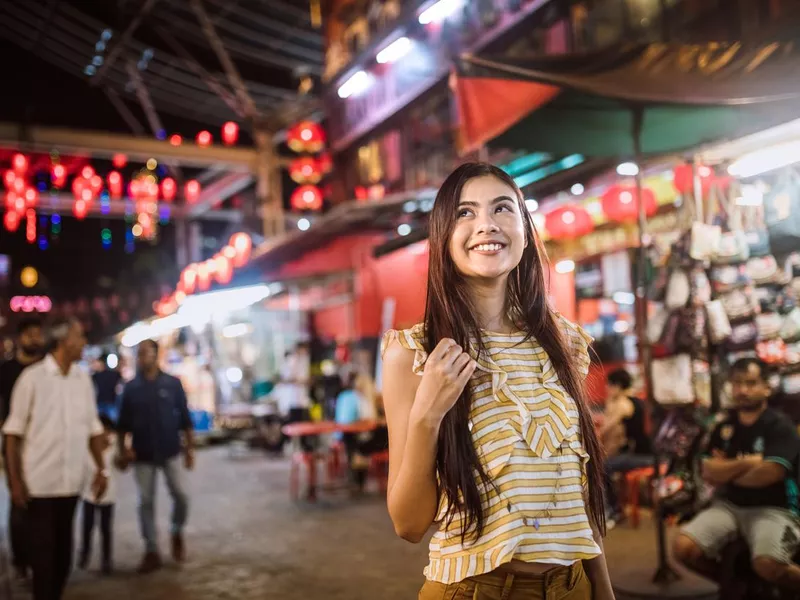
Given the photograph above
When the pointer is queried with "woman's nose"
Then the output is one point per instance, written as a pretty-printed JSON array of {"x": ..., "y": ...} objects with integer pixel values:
[{"x": 487, "y": 225}]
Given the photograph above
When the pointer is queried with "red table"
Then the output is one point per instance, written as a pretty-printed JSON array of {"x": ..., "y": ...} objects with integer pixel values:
[{"x": 309, "y": 428}]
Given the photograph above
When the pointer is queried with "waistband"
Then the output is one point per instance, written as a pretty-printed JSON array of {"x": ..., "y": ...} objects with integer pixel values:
[{"x": 505, "y": 578}]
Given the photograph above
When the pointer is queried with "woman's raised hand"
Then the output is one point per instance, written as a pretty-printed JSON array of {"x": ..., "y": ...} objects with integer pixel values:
[{"x": 447, "y": 371}]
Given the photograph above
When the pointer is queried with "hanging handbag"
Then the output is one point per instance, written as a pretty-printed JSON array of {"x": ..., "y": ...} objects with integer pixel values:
[
  {"x": 790, "y": 329},
  {"x": 758, "y": 242},
  {"x": 672, "y": 380},
  {"x": 705, "y": 241},
  {"x": 678, "y": 289},
  {"x": 678, "y": 333},
  {"x": 769, "y": 325},
  {"x": 772, "y": 352},
  {"x": 762, "y": 270},
  {"x": 656, "y": 323},
  {"x": 718, "y": 324},
  {"x": 732, "y": 248},
  {"x": 737, "y": 305},
  {"x": 782, "y": 213},
  {"x": 701, "y": 286},
  {"x": 728, "y": 277},
  {"x": 743, "y": 337}
]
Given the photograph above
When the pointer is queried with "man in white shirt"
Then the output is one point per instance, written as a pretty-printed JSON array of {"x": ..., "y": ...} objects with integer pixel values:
[{"x": 53, "y": 411}]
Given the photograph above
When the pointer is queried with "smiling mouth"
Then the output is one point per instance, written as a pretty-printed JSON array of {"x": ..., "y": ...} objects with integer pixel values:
[{"x": 492, "y": 247}]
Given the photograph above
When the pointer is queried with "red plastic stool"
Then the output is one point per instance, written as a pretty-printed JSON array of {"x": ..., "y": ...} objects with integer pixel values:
[
  {"x": 633, "y": 483},
  {"x": 336, "y": 461},
  {"x": 379, "y": 468}
]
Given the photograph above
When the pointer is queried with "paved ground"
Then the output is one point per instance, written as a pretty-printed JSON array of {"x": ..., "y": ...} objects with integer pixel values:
[{"x": 248, "y": 541}]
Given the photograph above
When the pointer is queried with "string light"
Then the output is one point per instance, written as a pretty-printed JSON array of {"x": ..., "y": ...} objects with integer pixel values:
[{"x": 105, "y": 236}]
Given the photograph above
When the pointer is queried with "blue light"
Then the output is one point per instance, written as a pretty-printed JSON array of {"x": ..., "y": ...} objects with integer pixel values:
[
  {"x": 163, "y": 214},
  {"x": 106, "y": 245},
  {"x": 129, "y": 247},
  {"x": 104, "y": 195},
  {"x": 105, "y": 207},
  {"x": 97, "y": 61},
  {"x": 90, "y": 70},
  {"x": 161, "y": 170},
  {"x": 41, "y": 186},
  {"x": 55, "y": 219},
  {"x": 43, "y": 221},
  {"x": 100, "y": 46},
  {"x": 43, "y": 243},
  {"x": 161, "y": 134},
  {"x": 128, "y": 209},
  {"x": 128, "y": 236},
  {"x": 106, "y": 35}
]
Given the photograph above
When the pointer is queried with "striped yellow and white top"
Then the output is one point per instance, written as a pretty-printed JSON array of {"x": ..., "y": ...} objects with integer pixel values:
[{"x": 525, "y": 428}]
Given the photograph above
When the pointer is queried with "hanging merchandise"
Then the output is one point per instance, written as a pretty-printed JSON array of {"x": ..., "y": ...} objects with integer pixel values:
[
  {"x": 782, "y": 213},
  {"x": 672, "y": 380},
  {"x": 763, "y": 270},
  {"x": 705, "y": 241},
  {"x": 732, "y": 248},
  {"x": 719, "y": 326}
]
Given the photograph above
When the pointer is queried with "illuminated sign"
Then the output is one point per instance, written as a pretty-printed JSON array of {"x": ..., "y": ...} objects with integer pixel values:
[{"x": 29, "y": 304}]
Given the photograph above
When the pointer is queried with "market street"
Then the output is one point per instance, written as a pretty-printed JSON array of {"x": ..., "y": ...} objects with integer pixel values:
[{"x": 248, "y": 541}]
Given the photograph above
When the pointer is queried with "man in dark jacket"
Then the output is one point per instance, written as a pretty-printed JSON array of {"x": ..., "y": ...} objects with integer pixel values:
[
  {"x": 29, "y": 349},
  {"x": 154, "y": 413}
]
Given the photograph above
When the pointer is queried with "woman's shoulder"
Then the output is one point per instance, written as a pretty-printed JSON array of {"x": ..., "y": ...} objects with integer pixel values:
[
  {"x": 578, "y": 342},
  {"x": 409, "y": 347}
]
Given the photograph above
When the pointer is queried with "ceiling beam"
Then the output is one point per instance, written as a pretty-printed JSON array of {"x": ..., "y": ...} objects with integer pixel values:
[
  {"x": 117, "y": 209},
  {"x": 124, "y": 111},
  {"x": 217, "y": 192},
  {"x": 198, "y": 70},
  {"x": 222, "y": 54},
  {"x": 101, "y": 144},
  {"x": 123, "y": 41}
]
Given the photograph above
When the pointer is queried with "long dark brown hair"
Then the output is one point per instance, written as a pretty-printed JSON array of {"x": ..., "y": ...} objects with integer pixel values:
[{"x": 449, "y": 314}]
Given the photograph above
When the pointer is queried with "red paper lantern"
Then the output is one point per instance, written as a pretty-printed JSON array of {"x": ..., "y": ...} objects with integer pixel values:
[
  {"x": 9, "y": 177},
  {"x": 568, "y": 221},
  {"x": 230, "y": 133},
  {"x": 19, "y": 186},
  {"x": 80, "y": 209},
  {"x": 620, "y": 203},
  {"x": 168, "y": 189},
  {"x": 242, "y": 244},
  {"x": 203, "y": 139},
  {"x": 87, "y": 172},
  {"x": 307, "y": 197},
  {"x": 87, "y": 195},
  {"x": 19, "y": 162},
  {"x": 78, "y": 185},
  {"x": 191, "y": 191},
  {"x": 189, "y": 279},
  {"x": 114, "y": 180},
  {"x": 119, "y": 160},
  {"x": 223, "y": 269},
  {"x": 175, "y": 139},
  {"x": 683, "y": 178},
  {"x": 306, "y": 136},
  {"x": 11, "y": 200},
  {"x": 30, "y": 225},
  {"x": 31, "y": 197},
  {"x": 96, "y": 183},
  {"x": 11, "y": 221},
  {"x": 58, "y": 175},
  {"x": 305, "y": 170}
]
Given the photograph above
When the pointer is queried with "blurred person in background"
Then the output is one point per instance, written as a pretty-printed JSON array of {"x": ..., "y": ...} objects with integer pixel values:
[
  {"x": 490, "y": 435},
  {"x": 295, "y": 393},
  {"x": 155, "y": 414},
  {"x": 102, "y": 508},
  {"x": 359, "y": 402},
  {"x": 29, "y": 350},
  {"x": 625, "y": 439},
  {"x": 53, "y": 418},
  {"x": 108, "y": 386}
]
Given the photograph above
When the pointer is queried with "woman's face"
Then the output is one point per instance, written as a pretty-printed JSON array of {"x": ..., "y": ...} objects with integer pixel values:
[{"x": 489, "y": 234}]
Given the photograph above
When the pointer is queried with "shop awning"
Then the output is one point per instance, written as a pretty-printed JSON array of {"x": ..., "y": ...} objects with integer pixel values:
[{"x": 689, "y": 94}]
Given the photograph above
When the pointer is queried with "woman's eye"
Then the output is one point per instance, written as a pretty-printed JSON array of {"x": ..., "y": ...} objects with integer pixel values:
[
  {"x": 463, "y": 212},
  {"x": 505, "y": 207}
]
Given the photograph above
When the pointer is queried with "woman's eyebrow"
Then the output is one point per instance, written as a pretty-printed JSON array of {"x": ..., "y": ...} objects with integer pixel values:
[{"x": 494, "y": 201}]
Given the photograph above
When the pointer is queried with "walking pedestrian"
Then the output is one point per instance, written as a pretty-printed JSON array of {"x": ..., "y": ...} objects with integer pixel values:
[
  {"x": 154, "y": 413},
  {"x": 104, "y": 508},
  {"x": 53, "y": 417},
  {"x": 29, "y": 349}
]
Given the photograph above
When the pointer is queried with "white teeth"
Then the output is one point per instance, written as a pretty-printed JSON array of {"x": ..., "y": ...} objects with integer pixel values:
[{"x": 487, "y": 247}]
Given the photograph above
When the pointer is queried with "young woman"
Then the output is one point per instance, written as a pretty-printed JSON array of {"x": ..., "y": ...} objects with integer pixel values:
[{"x": 493, "y": 441}]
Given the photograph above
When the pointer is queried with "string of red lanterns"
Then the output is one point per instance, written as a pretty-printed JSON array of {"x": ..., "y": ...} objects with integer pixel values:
[{"x": 198, "y": 277}]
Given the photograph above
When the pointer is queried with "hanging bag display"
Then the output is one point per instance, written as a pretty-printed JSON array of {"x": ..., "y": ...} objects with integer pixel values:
[
  {"x": 790, "y": 329},
  {"x": 769, "y": 325},
  {"x": 737, "y": 305},
  {"x": 705, "y": 241},
  {"x": 763, "y": 270},
  {"x": 678, "y": 289},
  {"x": 672, "y": 380},
  {"x": 782, "y": 213},
  {"x": 743, "y": 337},
  {"x": 758, "y": 242},
  {"x": 719, "y": 326},
  {"x": 733, "y": 248}
]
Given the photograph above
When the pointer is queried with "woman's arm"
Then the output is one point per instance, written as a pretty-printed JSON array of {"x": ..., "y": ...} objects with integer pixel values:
[
  {"x": 412, "y": 498},
  {"x": 597, "y": 571}
]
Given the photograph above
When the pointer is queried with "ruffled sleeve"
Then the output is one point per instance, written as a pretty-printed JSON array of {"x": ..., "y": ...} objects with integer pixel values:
[
  {"x": 578, "y": 342},
  {"x": 411, "y": 339}
]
